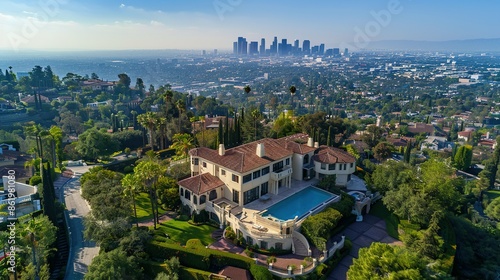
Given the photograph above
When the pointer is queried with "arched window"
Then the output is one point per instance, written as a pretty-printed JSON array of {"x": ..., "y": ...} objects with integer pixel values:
[
  {"x": 212, "y": 195},
  {"x": 203, "y": 198},
  {"x": 306, "y": 159}
]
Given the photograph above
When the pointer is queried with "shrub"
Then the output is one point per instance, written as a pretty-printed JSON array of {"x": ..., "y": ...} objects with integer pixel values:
[
  {"x": 35, "y": 180},
  {"x": 230, "y": 234},
  {"x": 271, "y": 259},
  {"x": 259, "y": 272},
  {"x": 344, "y": 206},
  {"x": 249, "y": 252},
  {"x": 194, "y": 244}
]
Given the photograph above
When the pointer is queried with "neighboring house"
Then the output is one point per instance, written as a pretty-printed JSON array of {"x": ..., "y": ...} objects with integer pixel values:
[
  {"x": 465, "y": 135},
  {"x": 418, "y": 128},
  {"x": 30, "y": 99},
  {"x": 95, "y": 105},
  {"x": 488, "y": 143},
  {"x": 97, "y": 85},
  {"x": 25, "y": 194},
  {"x": 236, "y": 185},
  {"x": 64, "y": 98},
  {"x": 436, "y": 143},
  {"x": 7, "y": 158}
]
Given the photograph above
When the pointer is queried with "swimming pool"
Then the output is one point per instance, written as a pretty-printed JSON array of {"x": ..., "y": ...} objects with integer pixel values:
[{"x": 298, "y": 204}]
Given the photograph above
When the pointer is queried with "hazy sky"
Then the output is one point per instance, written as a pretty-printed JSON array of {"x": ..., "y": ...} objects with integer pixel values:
[{"x": 209, "y": 24}]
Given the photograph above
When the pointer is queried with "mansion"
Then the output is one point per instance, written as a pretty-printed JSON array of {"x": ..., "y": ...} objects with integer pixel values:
[{"x": 237, "y": 185}]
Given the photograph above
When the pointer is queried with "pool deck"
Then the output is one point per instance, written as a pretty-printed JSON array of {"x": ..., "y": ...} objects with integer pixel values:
[{"x": 259, "y": 205}]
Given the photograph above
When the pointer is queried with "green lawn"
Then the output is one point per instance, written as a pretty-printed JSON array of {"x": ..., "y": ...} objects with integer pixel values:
[
  {"x": 379, "y": 210},
  {"x": 143, "y": 207},
  {"x": 182, "y": 231}
]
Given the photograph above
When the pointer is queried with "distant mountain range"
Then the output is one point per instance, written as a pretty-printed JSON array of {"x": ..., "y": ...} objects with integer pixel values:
[{"x": 471, "y": 45}]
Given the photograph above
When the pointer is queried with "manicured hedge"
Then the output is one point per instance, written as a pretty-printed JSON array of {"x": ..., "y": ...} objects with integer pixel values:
[{"x": 199, "y": 257}]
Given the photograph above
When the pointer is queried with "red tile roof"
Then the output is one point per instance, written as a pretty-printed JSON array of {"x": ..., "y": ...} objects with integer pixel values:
[
  {"x": 244, "y": 158},
  {"x": 236, "y": 273},
  {"x": 293, "y": 143},
  {"x": 201, "y": 183},
  {"x": 330, "y": 155}
]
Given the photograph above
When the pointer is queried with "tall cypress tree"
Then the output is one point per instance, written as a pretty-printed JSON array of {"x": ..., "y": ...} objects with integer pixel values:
[
  {"x": 48, "y": 192},
  {"x": 220, "y": 135},
  {"x": 226, "y": 132},
  {"x": 407, "y": 153},
  {"x": 329, "y": 139}
]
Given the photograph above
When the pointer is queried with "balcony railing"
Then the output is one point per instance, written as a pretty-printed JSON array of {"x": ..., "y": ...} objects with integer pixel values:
[{"x": 282, "y": 173}]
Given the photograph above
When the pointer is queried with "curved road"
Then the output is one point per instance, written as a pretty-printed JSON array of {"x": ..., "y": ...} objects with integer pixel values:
[{"x": 81, "y": 252}]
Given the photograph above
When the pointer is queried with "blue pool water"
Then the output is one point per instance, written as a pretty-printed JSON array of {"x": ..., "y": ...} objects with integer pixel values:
[{"x": 298, "y": 204}]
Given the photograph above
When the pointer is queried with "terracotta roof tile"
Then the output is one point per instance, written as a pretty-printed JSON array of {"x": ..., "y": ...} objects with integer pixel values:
[
  {"x": 201, "y": 183},
  {"x": 330, "y": 155},
  {"x": 292, "y": 143},
  {"x": 244, "y": 158}
]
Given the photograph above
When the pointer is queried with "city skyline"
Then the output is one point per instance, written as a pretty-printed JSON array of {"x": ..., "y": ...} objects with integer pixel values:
[{"x": 125, "y": 24}]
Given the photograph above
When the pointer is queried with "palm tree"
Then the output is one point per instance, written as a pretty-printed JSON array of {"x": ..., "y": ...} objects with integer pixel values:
[
  {"x": 181, "y": 106},
  {"x": 161, "y": 127},
  {"x": 131, "y": 189},
  {"x": 202, "y": 120},
  {"x": 149, "y": 120},
  {"x": 168, "y": 99},
  {"x": 182, "y": 143},
  {"x": 148, "y": 172}
]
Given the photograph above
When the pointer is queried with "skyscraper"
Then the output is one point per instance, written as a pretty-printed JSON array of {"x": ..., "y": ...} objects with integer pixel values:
[
  {"x": 306, "y": 47},
  {"x": 254, "y": 48},
  {"x": 262, "y": 49},
  {"x": 322, "y": 49},
  {"x": 235, "y": 47},
  {"x": 274, "y": 46},
  {"x": 336, "y": 52},
  {"x": 282, "y": 47},
  {"x": 242, "y": 46},
  {"x": 346, "y": 52}
]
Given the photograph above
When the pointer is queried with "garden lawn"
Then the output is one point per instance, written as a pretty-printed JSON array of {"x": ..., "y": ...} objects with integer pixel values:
[
  {"x": 182, "y": 231},
  {"x": 143, "y": 206}
]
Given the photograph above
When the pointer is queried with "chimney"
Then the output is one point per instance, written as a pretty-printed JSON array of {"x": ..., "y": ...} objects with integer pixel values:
[
  {"x": 316, "y": 145},
  {"x": 310, "y": 142},
  {"x": 261, "y": 151},
  {"x": 222, "y": 150}
]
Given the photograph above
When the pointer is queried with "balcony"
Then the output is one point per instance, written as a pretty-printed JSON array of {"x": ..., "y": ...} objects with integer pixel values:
[{"x": 282, "y": 173}]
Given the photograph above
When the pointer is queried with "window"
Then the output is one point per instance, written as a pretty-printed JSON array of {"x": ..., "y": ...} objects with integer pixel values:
[
  {"x": 256, "y": 174},
  {"x": 204, "y": 164},
  {"x": 187, "y": 195},
  {"x": 306, "y": 159},
  {"x": 182, "y": 192},
  {"x": 223, "y": 172},
  {"x": 278, "y": 246},
  {"x": 265, "y": 171},
  {"x": 203, "y": 199},
  {"x": 287, "y": 162},
  {"x": 277, "y": 166},
  {"x": 236, "y": 196},
  {"x": 236, "y": 178},
  {"x": 323, "y": 166},
  {"x": 249, "y": 241},
  {"x": 250, "y": 195},
  {"x": 195, "y": 173},
  {"x": 340, "y": 166},
  {"x": 212, "y": 195},
  {"x": 263, "y": 245},
  {"x": 345, "y": 166},
  {"x": 331, "y": 166},
  {"x": 264, "y": 188},
  {"x": 352, "y": 165},
  {"x": 194, "y": 161},
  {"x": 247, "y": 178},
  {"x": 195, "y": 200}
]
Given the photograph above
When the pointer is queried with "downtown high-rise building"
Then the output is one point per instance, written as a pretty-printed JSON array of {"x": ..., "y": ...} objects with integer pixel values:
[
  {"x": 321, "y": 49},
  {"x": 242, "y": 46},
  {"x": 306, "y": 47},
  {"x": 253, "y": 48},
  {"x": 262, "y": 49},
  {"x": 274, "y": 46}
]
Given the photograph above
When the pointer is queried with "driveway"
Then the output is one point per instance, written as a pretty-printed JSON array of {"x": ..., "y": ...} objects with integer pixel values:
[
  {"x": 362, "y": 234},
  {"x": 81, "y": 252}
]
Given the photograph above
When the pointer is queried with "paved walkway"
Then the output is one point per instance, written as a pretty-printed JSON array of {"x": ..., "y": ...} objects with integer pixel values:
[{"x": 362, "y": 234}]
